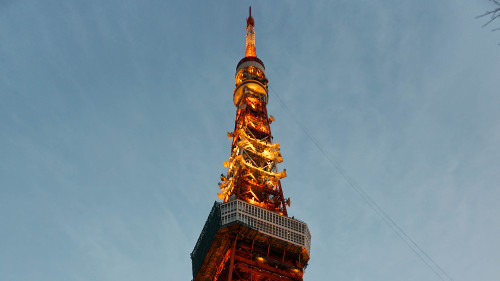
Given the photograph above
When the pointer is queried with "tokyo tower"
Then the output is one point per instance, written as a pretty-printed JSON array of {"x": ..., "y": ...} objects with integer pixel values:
[{"x": 249, "y": 236}]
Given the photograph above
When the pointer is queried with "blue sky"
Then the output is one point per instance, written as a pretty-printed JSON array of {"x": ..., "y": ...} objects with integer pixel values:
[{"x": 114, "y": 114}]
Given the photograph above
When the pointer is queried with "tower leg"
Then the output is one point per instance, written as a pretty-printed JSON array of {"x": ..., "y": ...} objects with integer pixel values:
[{"x": 231, "y": 261}]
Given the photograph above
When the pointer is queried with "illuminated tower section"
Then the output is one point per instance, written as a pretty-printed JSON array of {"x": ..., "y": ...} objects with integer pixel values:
[
  {"x": 252, "y": 168},
  {"x": 249, "y": 236}
]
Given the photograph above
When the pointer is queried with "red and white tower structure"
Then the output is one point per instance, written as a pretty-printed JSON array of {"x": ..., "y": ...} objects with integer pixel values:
[{"x": 249, "y": 235}]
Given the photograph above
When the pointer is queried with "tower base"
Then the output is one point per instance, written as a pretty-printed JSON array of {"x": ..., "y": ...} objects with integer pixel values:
[{"x": 239, "y": 251}]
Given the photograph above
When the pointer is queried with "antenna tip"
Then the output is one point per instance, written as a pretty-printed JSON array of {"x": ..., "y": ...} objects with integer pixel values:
[{"x": 250, "y": 20}]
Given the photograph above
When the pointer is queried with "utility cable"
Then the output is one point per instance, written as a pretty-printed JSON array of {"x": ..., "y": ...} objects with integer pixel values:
[{"x": 416, "y": 249}]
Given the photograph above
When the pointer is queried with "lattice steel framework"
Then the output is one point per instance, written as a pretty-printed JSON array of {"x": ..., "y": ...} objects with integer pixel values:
[
  {"x": 252, "y": 174},
  {"x": 250, "y": 236}
]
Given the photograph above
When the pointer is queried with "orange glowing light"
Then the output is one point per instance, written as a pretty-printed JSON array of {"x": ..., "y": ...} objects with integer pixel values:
[
  {"x": 251, "y": 51},
  {"x": 260, "y": 259}
]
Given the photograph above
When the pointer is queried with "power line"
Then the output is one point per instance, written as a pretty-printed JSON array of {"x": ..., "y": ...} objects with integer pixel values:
[{"x": 416, "y": 249}]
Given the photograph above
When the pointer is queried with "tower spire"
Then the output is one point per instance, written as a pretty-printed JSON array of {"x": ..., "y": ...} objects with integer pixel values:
[{"x": 250, "y": 40}]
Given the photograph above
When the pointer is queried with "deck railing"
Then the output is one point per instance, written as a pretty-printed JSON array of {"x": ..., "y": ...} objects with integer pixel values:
[{"x": 265, "y": 221}]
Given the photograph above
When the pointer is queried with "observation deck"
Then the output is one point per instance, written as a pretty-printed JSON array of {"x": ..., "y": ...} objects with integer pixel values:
[{"x": 267, "y": 222}]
